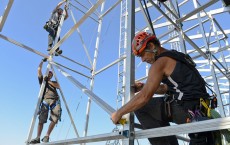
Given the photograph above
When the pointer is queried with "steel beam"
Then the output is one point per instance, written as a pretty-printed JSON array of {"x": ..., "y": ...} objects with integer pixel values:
[
  {"x": 106, "y": 107},
  {"x": 5, "y": 14},
  {"x": 202, "y": 126},
  {"x": 23, "y": 46},
  {"x": 88, "y": 139},
  {"x": 111, "y": 64},
  {"x": 196, "y": 10}
]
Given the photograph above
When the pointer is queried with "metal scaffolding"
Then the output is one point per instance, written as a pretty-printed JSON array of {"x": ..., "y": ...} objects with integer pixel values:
[{"x": 196, "y": 31}]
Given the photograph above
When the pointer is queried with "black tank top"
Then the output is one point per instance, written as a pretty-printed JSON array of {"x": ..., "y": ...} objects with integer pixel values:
[{"x": 184, "y": 83}]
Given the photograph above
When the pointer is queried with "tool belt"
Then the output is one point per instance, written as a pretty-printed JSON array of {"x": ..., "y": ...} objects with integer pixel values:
[
  {"x": 51, "y": 106},
  {"x": 208, "y": 105},
  {"x": 202, "y": 109},
  {"x": 168, "y": 100},
  {"x": 51, "y": 25}
]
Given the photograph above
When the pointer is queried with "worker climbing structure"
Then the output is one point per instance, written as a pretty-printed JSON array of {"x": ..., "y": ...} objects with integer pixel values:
[{"x": 199, "y": 28}]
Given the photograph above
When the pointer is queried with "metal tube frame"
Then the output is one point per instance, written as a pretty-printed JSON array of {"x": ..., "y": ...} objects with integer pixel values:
[
  {"x": 221, "y": 123},
  {"x": 82, "y": 41}
]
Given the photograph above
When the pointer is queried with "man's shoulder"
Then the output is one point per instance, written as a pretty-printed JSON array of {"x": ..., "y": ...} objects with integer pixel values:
[
  {"x": 40, "y": 79},
  {"x": 162, "y": 62},
  {"x": 171, "y": 54},
  {"x": 40, "y": 76},
  {"x": 166, "y": 56}
]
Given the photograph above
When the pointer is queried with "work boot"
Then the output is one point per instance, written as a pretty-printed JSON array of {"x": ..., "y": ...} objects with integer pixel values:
[
  {"x": 49, "y": 47},
  {"x": 58, "y": 52},
  {"x": 35, "y": 141},
  {"x": 45, "y": 139}
]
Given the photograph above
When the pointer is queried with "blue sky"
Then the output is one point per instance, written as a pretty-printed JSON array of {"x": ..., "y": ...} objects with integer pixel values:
[{"x": 19, "y": 84}]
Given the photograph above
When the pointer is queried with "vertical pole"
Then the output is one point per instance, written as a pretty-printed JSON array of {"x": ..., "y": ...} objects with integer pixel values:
[
  {"x": 130, "y": 74},
  {"x": 82, "y": 41},
  {"x": 93, "y": 70},
  {"x": 60, "y": 25},
  {"x": 5, "y": 14}
]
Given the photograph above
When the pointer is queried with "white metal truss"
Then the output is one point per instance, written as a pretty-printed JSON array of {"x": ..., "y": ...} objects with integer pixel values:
[
  {"x": 93, "y": 70},
  {"x": 122, "y": 53}
]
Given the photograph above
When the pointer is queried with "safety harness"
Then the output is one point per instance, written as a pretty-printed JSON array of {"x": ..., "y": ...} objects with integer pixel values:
[
  {"x": 187, "y": 60},
  {"x": 204, "y": 111},
  {"x": 51, "y": 25},
  {"x": 52, "y": 106}
]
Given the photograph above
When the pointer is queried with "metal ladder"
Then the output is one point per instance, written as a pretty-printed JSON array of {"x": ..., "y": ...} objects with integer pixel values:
[
  {"x": 122, "y": 49},
  {"x": 121, "y": 63}
]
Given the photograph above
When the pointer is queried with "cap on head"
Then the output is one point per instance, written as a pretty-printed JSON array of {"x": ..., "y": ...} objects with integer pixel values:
[
  {"x": 50, "y": 72},
  {"x": 140, "y": 41}
]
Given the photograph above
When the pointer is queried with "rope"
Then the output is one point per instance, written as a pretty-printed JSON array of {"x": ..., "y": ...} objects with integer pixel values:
[
  {"x": 55, "y": 63},
  {"x": 148, "y": 17},
  {"x": 83, "y": 12},
  {"x": 75, "y": 116}
]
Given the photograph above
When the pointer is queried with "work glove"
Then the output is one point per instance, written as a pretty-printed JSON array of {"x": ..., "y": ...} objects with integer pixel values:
[
  {"x": 46, "y": 26},
  {"x": 44, "y": 59}
]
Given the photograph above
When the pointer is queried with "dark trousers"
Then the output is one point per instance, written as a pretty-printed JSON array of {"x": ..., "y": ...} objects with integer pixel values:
[
  {"x": 154, "y": 114},
  {"x": 52, "y": 35}
]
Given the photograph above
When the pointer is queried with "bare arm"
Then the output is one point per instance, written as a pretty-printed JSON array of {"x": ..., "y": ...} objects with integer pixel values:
[
  {"x": 40, "y": 69},
  {"x": 59, "y": 4},
  {"x": 66, "y": 13},
  {"x": 162, "y": 89},
  {"x": 155, "y": 76}
]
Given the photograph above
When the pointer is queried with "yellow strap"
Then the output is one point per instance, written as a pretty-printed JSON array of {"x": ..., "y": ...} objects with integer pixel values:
[
  {"x": 209, "y": 112},
  {"x": 206, "y": 106},
  {"x": 122, "y": 121}
]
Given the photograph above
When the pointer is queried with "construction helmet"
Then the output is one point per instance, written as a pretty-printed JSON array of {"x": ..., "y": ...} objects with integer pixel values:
[{"x": 140, "y": 40}]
